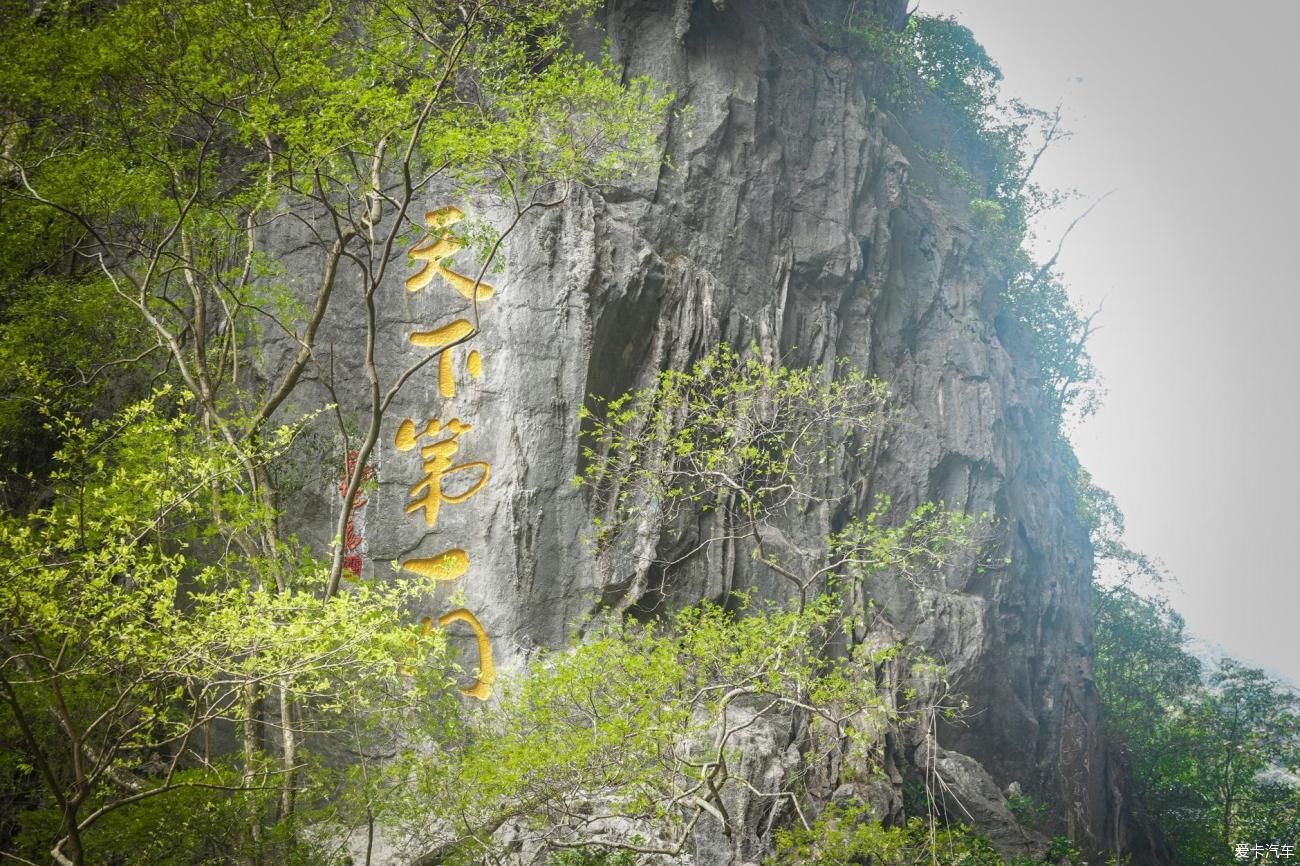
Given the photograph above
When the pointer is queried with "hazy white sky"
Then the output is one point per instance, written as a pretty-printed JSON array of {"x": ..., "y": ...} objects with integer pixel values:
[{"x": 1191, "y": 112}]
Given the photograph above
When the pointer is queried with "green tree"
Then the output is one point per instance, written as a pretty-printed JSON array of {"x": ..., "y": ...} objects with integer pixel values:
[
  {"x": 1244, "y": 725},
  {"x": 1117, "y": 563},
  {"x": 1270, "y": 814},
  {"x": 952, "y": 62},
  {"x": 848, "y": 835},
  {"x": 1212, "y": 761},
  {"x": 131, "y": 641},
  {"x": 154, "y": 153},
  {"x": 746, "y": 445},
  {"x": 637, "y": 725},
  {"x": 138, "y": 640},
  {"x": 1144, "y": 672},
  {"x": 73, "y": 342},
  {"x": 630, "y": 738},
  {"x": 168, "y": 142}
]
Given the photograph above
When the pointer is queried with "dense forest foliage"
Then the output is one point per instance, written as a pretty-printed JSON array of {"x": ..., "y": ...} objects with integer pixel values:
[
  {"x": 183, "y": 682},
  {"x": 1213, "y": 754}
]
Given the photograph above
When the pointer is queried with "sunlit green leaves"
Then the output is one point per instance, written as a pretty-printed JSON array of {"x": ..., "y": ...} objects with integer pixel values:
[
  {"x": 914, "y": 550},
  {"x": 132, "y": 637},
  {"x": 730, "y": 432},
  {"x": 844, "y": 835},
  {"x": 638, "y": 723}
]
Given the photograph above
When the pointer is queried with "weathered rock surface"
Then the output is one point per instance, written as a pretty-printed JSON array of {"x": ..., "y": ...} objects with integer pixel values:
[{"x": 789, "y": 220}]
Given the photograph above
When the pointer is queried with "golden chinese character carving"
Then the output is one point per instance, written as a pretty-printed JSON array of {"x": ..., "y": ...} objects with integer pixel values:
[
  {"x": 448, "y": 565},
  {"x": 440, "y": 245},
  {"x": 442, "y": 338},
  {"x": 487, "y": 672},
  {"x": 437, "y": 465}
]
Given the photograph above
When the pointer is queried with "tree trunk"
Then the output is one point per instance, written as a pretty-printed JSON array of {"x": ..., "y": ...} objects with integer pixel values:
[
  {"x": 251, "y": 752},
  {"x": 289, "y": 752},
  {"x": 68, "y": 852}
]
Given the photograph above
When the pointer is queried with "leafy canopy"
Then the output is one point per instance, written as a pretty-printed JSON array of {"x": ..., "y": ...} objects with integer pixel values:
[
  {"x": 131, "y": 640},
  {"x": 846, "y": 835},
  {"x": 1213, "y": 760},
  {"x": 744, "y": 445},
  {"x": 642, "y": 726}
]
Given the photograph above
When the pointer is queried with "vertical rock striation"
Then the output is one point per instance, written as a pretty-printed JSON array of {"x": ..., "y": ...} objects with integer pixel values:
[{"x": 789, "y": 219}]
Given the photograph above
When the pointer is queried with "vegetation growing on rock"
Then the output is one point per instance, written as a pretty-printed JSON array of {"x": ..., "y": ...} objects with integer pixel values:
[{"x": 182, "y": 681}]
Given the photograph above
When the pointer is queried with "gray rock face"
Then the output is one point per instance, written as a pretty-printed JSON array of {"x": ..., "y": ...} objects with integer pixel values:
[{"x": 788, "y": 221}]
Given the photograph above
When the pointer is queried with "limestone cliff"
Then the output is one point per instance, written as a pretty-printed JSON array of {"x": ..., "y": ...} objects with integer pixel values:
[{"x": 790, "y": 219}]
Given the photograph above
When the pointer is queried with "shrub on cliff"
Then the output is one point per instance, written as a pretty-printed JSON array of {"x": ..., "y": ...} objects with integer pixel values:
[
  {"x": 848, "y": 835},
  {"x": 746, "y": 444},
  {"x": 633, "y": 737}
]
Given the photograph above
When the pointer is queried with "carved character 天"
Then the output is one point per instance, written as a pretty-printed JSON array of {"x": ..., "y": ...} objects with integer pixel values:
[{"x": 440, "y": 244}]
